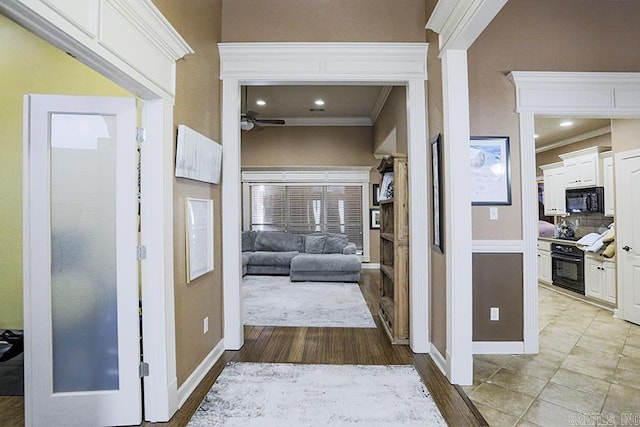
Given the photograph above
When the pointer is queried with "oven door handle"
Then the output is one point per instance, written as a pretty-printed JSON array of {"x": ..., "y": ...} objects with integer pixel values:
[{"x": 566, "y": 258}]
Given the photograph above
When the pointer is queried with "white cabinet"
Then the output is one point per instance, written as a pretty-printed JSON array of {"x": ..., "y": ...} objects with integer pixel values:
[
  {"x": 582, "y": 168},
  {"x": 606, "y": 160},
  {"x": 544, "y": 262},
  {"x": 600, "y": 278},
  {"x": 554, "y": 189}
]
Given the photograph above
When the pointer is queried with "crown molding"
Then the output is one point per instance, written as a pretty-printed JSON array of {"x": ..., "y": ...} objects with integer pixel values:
[
  {"x": 460, "y": 23},
  {"x": 587, "y": 135},
  {"x": 342, "y": 62},
  {"x": 586, "y": 94},
  {"x": 379, "y": 105}
]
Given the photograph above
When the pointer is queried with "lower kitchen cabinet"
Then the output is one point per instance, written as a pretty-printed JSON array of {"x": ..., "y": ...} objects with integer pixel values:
[
  {"x": 600, "y": 278},
  {"x": 544, "y": 262}
]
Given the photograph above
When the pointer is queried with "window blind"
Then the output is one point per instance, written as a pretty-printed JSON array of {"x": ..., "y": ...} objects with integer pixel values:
[{"x": 306, "y": 209}]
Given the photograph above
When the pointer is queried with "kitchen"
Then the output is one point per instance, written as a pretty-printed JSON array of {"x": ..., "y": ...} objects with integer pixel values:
[{"x": 576, "y": 244}]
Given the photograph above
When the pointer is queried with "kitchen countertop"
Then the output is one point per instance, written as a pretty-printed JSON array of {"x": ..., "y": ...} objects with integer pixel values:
[{"x": 556, "y": 240}]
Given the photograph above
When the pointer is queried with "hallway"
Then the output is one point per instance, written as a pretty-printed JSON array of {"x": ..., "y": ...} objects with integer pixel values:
[{"x": 338, "y": 346}]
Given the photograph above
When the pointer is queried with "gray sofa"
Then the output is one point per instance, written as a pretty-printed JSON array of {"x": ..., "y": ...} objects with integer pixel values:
[{"x": 304, "y": 257}]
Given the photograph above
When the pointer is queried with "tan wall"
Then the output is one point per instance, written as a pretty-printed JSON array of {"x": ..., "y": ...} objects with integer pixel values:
[
  {"x": 507, "y": 277},
  {"x": 438, "y": 269},
  {"x": 326, "y": 20},
  {"x": 553, "y": 156},
  {"x": 314, "y": 146},
  {"x": 197, "y": 106},
  {"x": 23, "y": 59},
  {"x": 393, "y": 116},
  {"x": 538, "y": 35},
  {"x": 625, "y": 134}
]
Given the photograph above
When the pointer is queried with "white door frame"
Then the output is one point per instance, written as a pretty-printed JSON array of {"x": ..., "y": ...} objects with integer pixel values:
[
  {"x": 580, "y": 94},
  {"x": 323, "y": 63},
  {"x": 136, "y": 48}
]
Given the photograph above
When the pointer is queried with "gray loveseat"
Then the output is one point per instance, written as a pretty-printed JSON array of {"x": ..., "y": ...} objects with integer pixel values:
[{"x": 304, "y": 257}]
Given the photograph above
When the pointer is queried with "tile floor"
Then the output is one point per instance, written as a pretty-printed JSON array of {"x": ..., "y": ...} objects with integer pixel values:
[{"x": 586, "y": 373}]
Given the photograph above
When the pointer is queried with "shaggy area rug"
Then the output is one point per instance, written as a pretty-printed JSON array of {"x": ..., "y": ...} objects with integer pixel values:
[
  {"x": 281, "y": 394},
  {"x": 275, "y": 301}
]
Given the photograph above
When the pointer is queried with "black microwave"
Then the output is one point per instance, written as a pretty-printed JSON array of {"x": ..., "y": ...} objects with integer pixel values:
[{"x": 584, "y": 200}]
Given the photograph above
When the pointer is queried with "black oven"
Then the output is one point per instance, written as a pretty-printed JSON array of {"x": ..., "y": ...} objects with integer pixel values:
[{"x": 567, "y": 267}]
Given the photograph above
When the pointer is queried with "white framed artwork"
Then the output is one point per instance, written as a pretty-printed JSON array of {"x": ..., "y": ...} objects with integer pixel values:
[
  {"x": 199, "y": 237},
  {"x": 197, "y": 157}
]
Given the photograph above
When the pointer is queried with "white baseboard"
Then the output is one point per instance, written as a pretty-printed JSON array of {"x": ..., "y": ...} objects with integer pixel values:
[
  {"x": 439, "y": 360},
  {"x": 371, "y": 266},
  {"x": 498, "y": 347},
  {"x": 198, "y": 375}
]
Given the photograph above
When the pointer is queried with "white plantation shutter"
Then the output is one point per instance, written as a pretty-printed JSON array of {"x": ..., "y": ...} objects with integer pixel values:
[{"x": 308, "y": 209}]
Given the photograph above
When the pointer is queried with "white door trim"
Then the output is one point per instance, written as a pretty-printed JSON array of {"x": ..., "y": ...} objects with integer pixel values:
[
  {"x": 582, "y": 94},
  {"x": 145, "y": 65},
  {"x": 318, "y": 63}
]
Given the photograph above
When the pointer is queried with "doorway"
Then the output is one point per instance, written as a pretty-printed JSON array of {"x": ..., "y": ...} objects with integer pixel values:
[
  {"x": 249, "y": 64},
  {"x": 565, "y": 94}
]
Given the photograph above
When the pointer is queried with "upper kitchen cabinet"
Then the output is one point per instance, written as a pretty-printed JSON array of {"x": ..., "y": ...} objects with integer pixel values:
[
  {"x": 582, "y": 168},
  {"x": 554, "y": 189},
  {"x": 606, "y": 159}
]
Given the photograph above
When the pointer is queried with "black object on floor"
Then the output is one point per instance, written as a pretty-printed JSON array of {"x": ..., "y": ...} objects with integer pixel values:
[
  {"x": 12, "y": 376},
  {"x": 11, "y": 363},
  {"x": 13, "y": 347}
]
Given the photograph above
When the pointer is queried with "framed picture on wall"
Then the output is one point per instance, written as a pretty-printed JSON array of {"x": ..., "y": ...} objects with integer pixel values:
[
  {"x": 199, "y": 237},
  {"x": 436, "y": 193},
  {"x": 490, "y": 170},
  {"x": 376, "y": 193},
  {"x": 374, "y": 218}
]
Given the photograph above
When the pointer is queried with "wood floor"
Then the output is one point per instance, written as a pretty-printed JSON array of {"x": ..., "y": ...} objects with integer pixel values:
[{"x": 366, "y": 346}]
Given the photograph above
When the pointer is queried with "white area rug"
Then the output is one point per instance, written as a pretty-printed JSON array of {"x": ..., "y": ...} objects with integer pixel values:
[
  {"x": 275, "y": 301},
  {"x": 281, "y": 394}
]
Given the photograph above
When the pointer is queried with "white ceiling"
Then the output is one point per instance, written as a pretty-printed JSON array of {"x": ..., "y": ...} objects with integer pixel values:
[
  {"x": 356, "y": 105},
  {"x": 551, "y": 134}
]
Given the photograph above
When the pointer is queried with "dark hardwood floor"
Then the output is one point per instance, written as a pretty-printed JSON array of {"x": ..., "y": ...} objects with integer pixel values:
[{"x": 366, "y": 346}]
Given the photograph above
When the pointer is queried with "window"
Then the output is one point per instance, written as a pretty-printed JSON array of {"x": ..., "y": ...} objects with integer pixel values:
[{"x": 303, "y": 209}]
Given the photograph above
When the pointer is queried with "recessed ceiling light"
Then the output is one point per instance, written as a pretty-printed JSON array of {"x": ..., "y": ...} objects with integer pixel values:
[
  {"x": 319, "y": 102},
  {"x": 566, "y": 124},
  {"x": 261, "y": 102},
  {"x": 536, "y": 135}
]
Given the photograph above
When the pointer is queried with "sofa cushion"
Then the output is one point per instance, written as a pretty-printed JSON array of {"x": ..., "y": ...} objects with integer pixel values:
[
  {"x": 248, "y": 240},
  {"x": 281, "y": 259},
  {"x": 279, "y": 241},
  {"x": 326, "y": 262},
  {"x": 335, "y": 243},
  {"x": 315, "y": 243}
]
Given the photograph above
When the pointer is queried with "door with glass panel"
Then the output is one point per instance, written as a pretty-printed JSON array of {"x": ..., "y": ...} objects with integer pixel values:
[{"x": 82, "y": 335}]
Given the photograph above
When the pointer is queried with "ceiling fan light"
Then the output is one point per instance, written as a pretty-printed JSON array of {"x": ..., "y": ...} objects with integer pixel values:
[{"x": 246, "y": 125}]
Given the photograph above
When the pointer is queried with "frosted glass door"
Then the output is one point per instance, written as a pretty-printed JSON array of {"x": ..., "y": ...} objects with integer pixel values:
[
  {"x": 82, "y": 348},
  {"x": 83, "y": 253}
]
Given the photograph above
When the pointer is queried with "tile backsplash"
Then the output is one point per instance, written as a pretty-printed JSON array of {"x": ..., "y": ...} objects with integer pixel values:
[{"x": 587, "y": 223}]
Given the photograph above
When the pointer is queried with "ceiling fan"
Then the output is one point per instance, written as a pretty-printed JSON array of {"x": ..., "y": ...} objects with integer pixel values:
[{"x": 250, "y": 121}]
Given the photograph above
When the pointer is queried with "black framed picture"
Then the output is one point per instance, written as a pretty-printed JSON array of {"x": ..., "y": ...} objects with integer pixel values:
[
  {"x": 436, "y": 194},
  {"x": 490, "y": 170},
  {"x": 375, "y": 190}
]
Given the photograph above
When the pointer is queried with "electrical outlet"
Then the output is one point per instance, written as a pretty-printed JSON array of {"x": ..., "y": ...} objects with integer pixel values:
[
  {"x": 495, "y": 314},
  {"x": 205, "y": 325},
  {"x": 493, "y": 214}
]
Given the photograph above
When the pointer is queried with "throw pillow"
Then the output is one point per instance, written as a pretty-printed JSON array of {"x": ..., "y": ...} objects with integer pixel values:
[
  {"x": 314, "y": 244},
  {"x": 335, "y": 243},
  {"x": 248, "y": 239}
]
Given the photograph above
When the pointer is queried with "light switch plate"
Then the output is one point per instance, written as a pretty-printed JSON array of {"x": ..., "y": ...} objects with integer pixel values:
[
  {"x": 495, "y": 314},
  {"x": 493, "y": 214}
]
